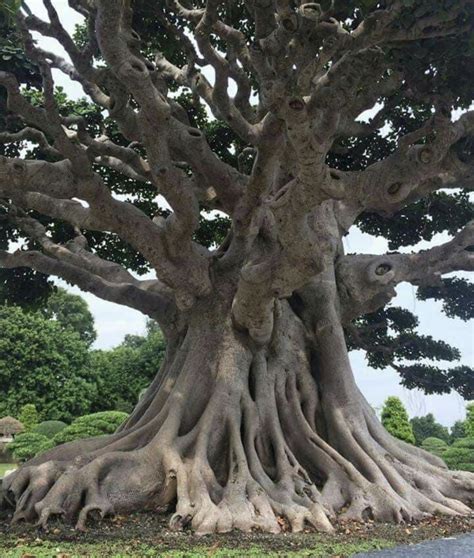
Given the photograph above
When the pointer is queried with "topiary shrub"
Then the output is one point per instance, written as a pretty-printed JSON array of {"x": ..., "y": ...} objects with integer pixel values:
[
  {"x": 460, "y": 455},
  {"x": 50, "y": 428},
  {"x": 27, "y": 445},
  {"x": 88, "y": 426},
  {"x": 435, "y": 446}
]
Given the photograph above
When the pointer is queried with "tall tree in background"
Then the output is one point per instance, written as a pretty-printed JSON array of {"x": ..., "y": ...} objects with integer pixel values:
[
  {"x": 395, "y": 420},
  {"x": 426, "y": 427},
  {"x": 255, "y": 413},
  {"x": 123, "y": 372},
  {"x": 44, "y": 366},
  {"x": 72, "y": 312}
]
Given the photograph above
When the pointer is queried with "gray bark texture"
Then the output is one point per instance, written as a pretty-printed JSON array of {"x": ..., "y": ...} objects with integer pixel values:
[{"x": 254, "y": 418}]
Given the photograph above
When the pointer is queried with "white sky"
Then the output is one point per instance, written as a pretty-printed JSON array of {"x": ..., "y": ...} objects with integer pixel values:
[{"x": 113, "y": 321}]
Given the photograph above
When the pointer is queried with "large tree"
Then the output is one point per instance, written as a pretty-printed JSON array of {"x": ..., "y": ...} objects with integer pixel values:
[{"x": 255, "y": 413}]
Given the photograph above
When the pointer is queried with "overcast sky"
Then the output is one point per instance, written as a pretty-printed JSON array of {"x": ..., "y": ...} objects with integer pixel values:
[{"x": 113, "y": 322}]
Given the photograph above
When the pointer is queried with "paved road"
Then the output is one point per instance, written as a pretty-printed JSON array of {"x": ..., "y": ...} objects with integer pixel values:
[{"x": 452, "y": 547}]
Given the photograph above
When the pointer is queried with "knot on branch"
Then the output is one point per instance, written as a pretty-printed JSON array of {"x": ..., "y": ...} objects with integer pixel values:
[
  {"x": 425, "y": 155},
  {"x": 289, "y": 22},
  {"x": 311, "y": 11},
  {"x": 381, "y": 271},
  {"x": 297, "y": 104},
  {"x": 394, "y": 188},
  {"x": 15, "y": 169},
  {"x": 132, "y": 69}
]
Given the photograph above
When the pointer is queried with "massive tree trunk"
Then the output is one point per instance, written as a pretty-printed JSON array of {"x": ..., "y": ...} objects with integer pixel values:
[
  {"x": 238, "y": 435},
  {"x": 255, "y": 415}
]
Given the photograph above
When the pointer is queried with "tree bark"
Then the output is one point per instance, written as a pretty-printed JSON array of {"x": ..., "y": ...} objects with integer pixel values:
[{"x": 238, "y": 435}]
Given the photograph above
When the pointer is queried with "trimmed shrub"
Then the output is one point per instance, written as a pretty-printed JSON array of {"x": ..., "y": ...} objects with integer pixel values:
[
  {"x": 88, "y": 426},
  {"x": 460, "y": 455},
  {"x": 50, "y": 428},
  {"x": 435, "y": 446},
  {"x": 27, "y": 445}
]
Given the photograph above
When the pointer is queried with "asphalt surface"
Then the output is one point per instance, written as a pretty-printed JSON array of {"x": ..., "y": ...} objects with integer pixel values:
[{"x": 451, "y": 547}]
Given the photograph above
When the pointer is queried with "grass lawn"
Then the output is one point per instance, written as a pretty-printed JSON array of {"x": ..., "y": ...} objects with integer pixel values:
[
  {"x": 133, "y": 549},
  {"x": 148, "y": 535},
  {"x": 5, "y": 467}
]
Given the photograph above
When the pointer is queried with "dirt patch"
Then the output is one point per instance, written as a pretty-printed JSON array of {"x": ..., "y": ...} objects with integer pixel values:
[{"x": 151, "y": 529}]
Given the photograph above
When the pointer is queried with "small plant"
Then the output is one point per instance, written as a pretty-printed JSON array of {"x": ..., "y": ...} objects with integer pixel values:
[
  {"x": 27, "y": 445},
  {"x": 88, "y": 426},
  {"x": 460, "y": 455},
  {"x": 49, "y": 428},
  {"x": 435, "y": 446}
]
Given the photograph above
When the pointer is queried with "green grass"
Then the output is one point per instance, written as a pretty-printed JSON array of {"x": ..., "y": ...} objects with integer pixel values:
[
  {"x": 5, "y": 467},
  {"x": 134, "y": 549}
]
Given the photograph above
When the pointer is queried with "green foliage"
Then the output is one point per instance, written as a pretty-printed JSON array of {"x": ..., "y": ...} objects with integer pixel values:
[
  {"x": 49, "y": 428},
  {"x": 390, "y": 338},
  {"x": 439, "y": 212},
  {"x": 458, "y": 430},
  {"x": 442, "y": 67},
  {"x": 8, "y": 8},
  {"x": 42, "y": 548},
  {"x": 72, "y": 312},
  {"x": 470, "y": 420},
  {"x": 435, "y": 446},
  {"x": 27, "y": 445},
  {"x": 123, "y": 372},
  {"x": 22, "y": 286},
  {"x": 460, "y": 456},
  {"x": 457, "y": 296},
  {"x": 42, "y": 363},
  {"x": 395, "y": 420},
  {"x": 425, "y": 427},
  {"x": 28, "y": 416},
  {"x": 88, "y": 426}
]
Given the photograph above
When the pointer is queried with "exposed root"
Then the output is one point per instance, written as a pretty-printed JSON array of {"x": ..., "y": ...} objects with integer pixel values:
[{"x": 259, "y": 448}]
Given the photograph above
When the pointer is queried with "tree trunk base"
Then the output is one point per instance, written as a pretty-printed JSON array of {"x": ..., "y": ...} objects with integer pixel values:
[{"x": 241, "y": 438}]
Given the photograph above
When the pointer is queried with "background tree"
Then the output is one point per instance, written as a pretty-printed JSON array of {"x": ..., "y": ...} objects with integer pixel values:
[
  {"x": 71, "y": 311},
  {"x": 255, "y": 413},
  {"x": 458, "y": 430},
  {"x": 124, "y": 371},
  {"x": 470, "y": 419},
  {"x": 395, "y": 420},
  {"x": 424, "y": 427},
  {"x": 43, "y": 363}
]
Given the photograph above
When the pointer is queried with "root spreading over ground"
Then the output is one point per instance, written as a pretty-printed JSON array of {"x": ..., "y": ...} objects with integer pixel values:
[{"x": 241, "y": 437}]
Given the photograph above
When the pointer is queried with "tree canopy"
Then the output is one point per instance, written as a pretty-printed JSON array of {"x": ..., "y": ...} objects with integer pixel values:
[
  {"x": 426, "y": 427},
  {"x": 71, "y": 312},
  {"x": 405, "y": 104}
]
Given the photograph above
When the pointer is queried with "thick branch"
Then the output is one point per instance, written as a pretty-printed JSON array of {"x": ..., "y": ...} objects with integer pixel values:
[{"x": 367, "y": 282}]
